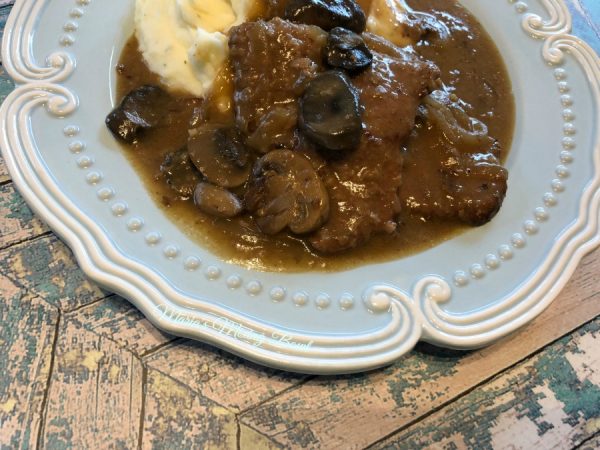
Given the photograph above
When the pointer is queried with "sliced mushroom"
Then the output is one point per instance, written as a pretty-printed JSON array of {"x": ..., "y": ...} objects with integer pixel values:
[
  {"x": 140, "y": 110},
  {"x": 219, "y": 153},
  {"x": 276, "y": 130},
  {"x": 216, "y": 201},
  {"x": 330, "y": 112},
  {"x": 286, "y": 191},
  {"x": 180, "y": 173}
]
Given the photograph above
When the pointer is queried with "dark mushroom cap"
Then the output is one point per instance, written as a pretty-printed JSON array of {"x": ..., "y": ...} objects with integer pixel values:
[
  {"x": 327, "y": 14},
  {"x": 142, "y": 109},
  {"x": 330, "y": 114},
  {"x": 220, "y": 155},
  {"x": 286, "y": 192},
  {"x": 347, "y": 50}
]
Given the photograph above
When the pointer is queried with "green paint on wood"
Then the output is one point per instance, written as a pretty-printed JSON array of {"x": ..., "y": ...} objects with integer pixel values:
[
  {"x": 116, "y": 319},
  {"x": 27, "y": 328},
  {"x": 426, "y": 363},
  {"x": 176, "y": 417},
  {"x": 6, "y": 84},
  {"x": 59, "y": 440},
  {"x": 519, "y": 392},
  {"x": 16, "y": 206},
  {"x": 45, "y": 267},
  {"x": 582, "y": 400}
]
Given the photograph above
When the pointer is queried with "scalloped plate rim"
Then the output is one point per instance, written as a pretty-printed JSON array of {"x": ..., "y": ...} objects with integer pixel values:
[{"x": 415, "y": 316}]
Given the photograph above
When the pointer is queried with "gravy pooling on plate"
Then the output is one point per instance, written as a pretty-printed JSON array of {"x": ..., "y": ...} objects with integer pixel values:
[{"x": 432, "y": 178}]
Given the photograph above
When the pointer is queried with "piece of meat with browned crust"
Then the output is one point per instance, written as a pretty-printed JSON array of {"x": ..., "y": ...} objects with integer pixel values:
[
  {"x": 457, "y": 175},
  {"x": 364, "y": 186},
  {"x": 272, "y": 61},
  {"x": 468, "y": 187},
  {"x": 477, "y": 185}
]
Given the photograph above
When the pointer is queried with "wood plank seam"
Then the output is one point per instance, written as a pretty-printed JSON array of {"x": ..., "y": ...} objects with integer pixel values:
[
  {"x": 93, "y": 303},
  {"x": 175, "y": 380},
  {"x": 585, "y": 442},
  {"x": 3, "y": 179},
  {"x": 236, "y": 414},
  {"x": 67, "y": 319},
  {"x": 143, "y": 406},
  {"x": 290, "y": 388},
  {"x": 49, "y": 380},
  {"x": 476, "y": 386},
  {"x": 172, "y": 343},
  {"x": 238, "y": 436},
  {"x": 45, "y": 234}
]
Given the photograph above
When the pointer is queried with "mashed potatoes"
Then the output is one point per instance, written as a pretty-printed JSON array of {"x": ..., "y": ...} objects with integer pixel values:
[{"x": 184, "y": 41}]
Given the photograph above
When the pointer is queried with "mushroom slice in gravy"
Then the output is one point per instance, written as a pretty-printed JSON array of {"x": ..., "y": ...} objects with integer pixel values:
[
  {"x": 286, "y": 191},
  {"x": 220, "y": 155}
]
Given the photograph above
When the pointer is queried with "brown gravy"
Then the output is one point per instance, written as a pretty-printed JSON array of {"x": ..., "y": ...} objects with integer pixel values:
[{"x": 469, "y": 62}]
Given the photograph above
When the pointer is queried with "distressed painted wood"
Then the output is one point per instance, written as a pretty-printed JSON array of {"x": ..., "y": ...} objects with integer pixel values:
[
  {"x": 177, "y": 417},
  {"x": 225, "y": 379},
  {"x": 252, "y": 440},
  {"x": 592, "y": 444},
  {"x": 116, "y": 319},
  {"x": 4, "y": 177},
  {"x": 95, "y": 393},
  {"x": 18, "y": 222},
  {"x": 27, "y": 332},
  {"x": 550, "y": 401},
  {"x": 319, "y": 412},
  {"x": 46, "y": 268},
  {"x": 6, "y": 84}
]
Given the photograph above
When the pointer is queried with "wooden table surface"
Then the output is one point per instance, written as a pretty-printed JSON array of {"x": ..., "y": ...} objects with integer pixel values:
[{"x": 80, "y": 368}]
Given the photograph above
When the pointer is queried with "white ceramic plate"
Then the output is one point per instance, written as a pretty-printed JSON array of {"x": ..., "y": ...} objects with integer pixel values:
[{"x": 465, "y": 293}]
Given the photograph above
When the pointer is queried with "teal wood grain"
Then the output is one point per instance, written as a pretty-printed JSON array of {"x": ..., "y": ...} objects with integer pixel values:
[
  {"x": 553, "y": 390},
  {"x": 19, "y": 222},
  {"x": 95, "y": 395},
  {"x": 6, "y": 84},
  {"x": 27, "y": 332},
  {"x": 116, "y": 319},
  {"x": 45, "y": 268}
]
